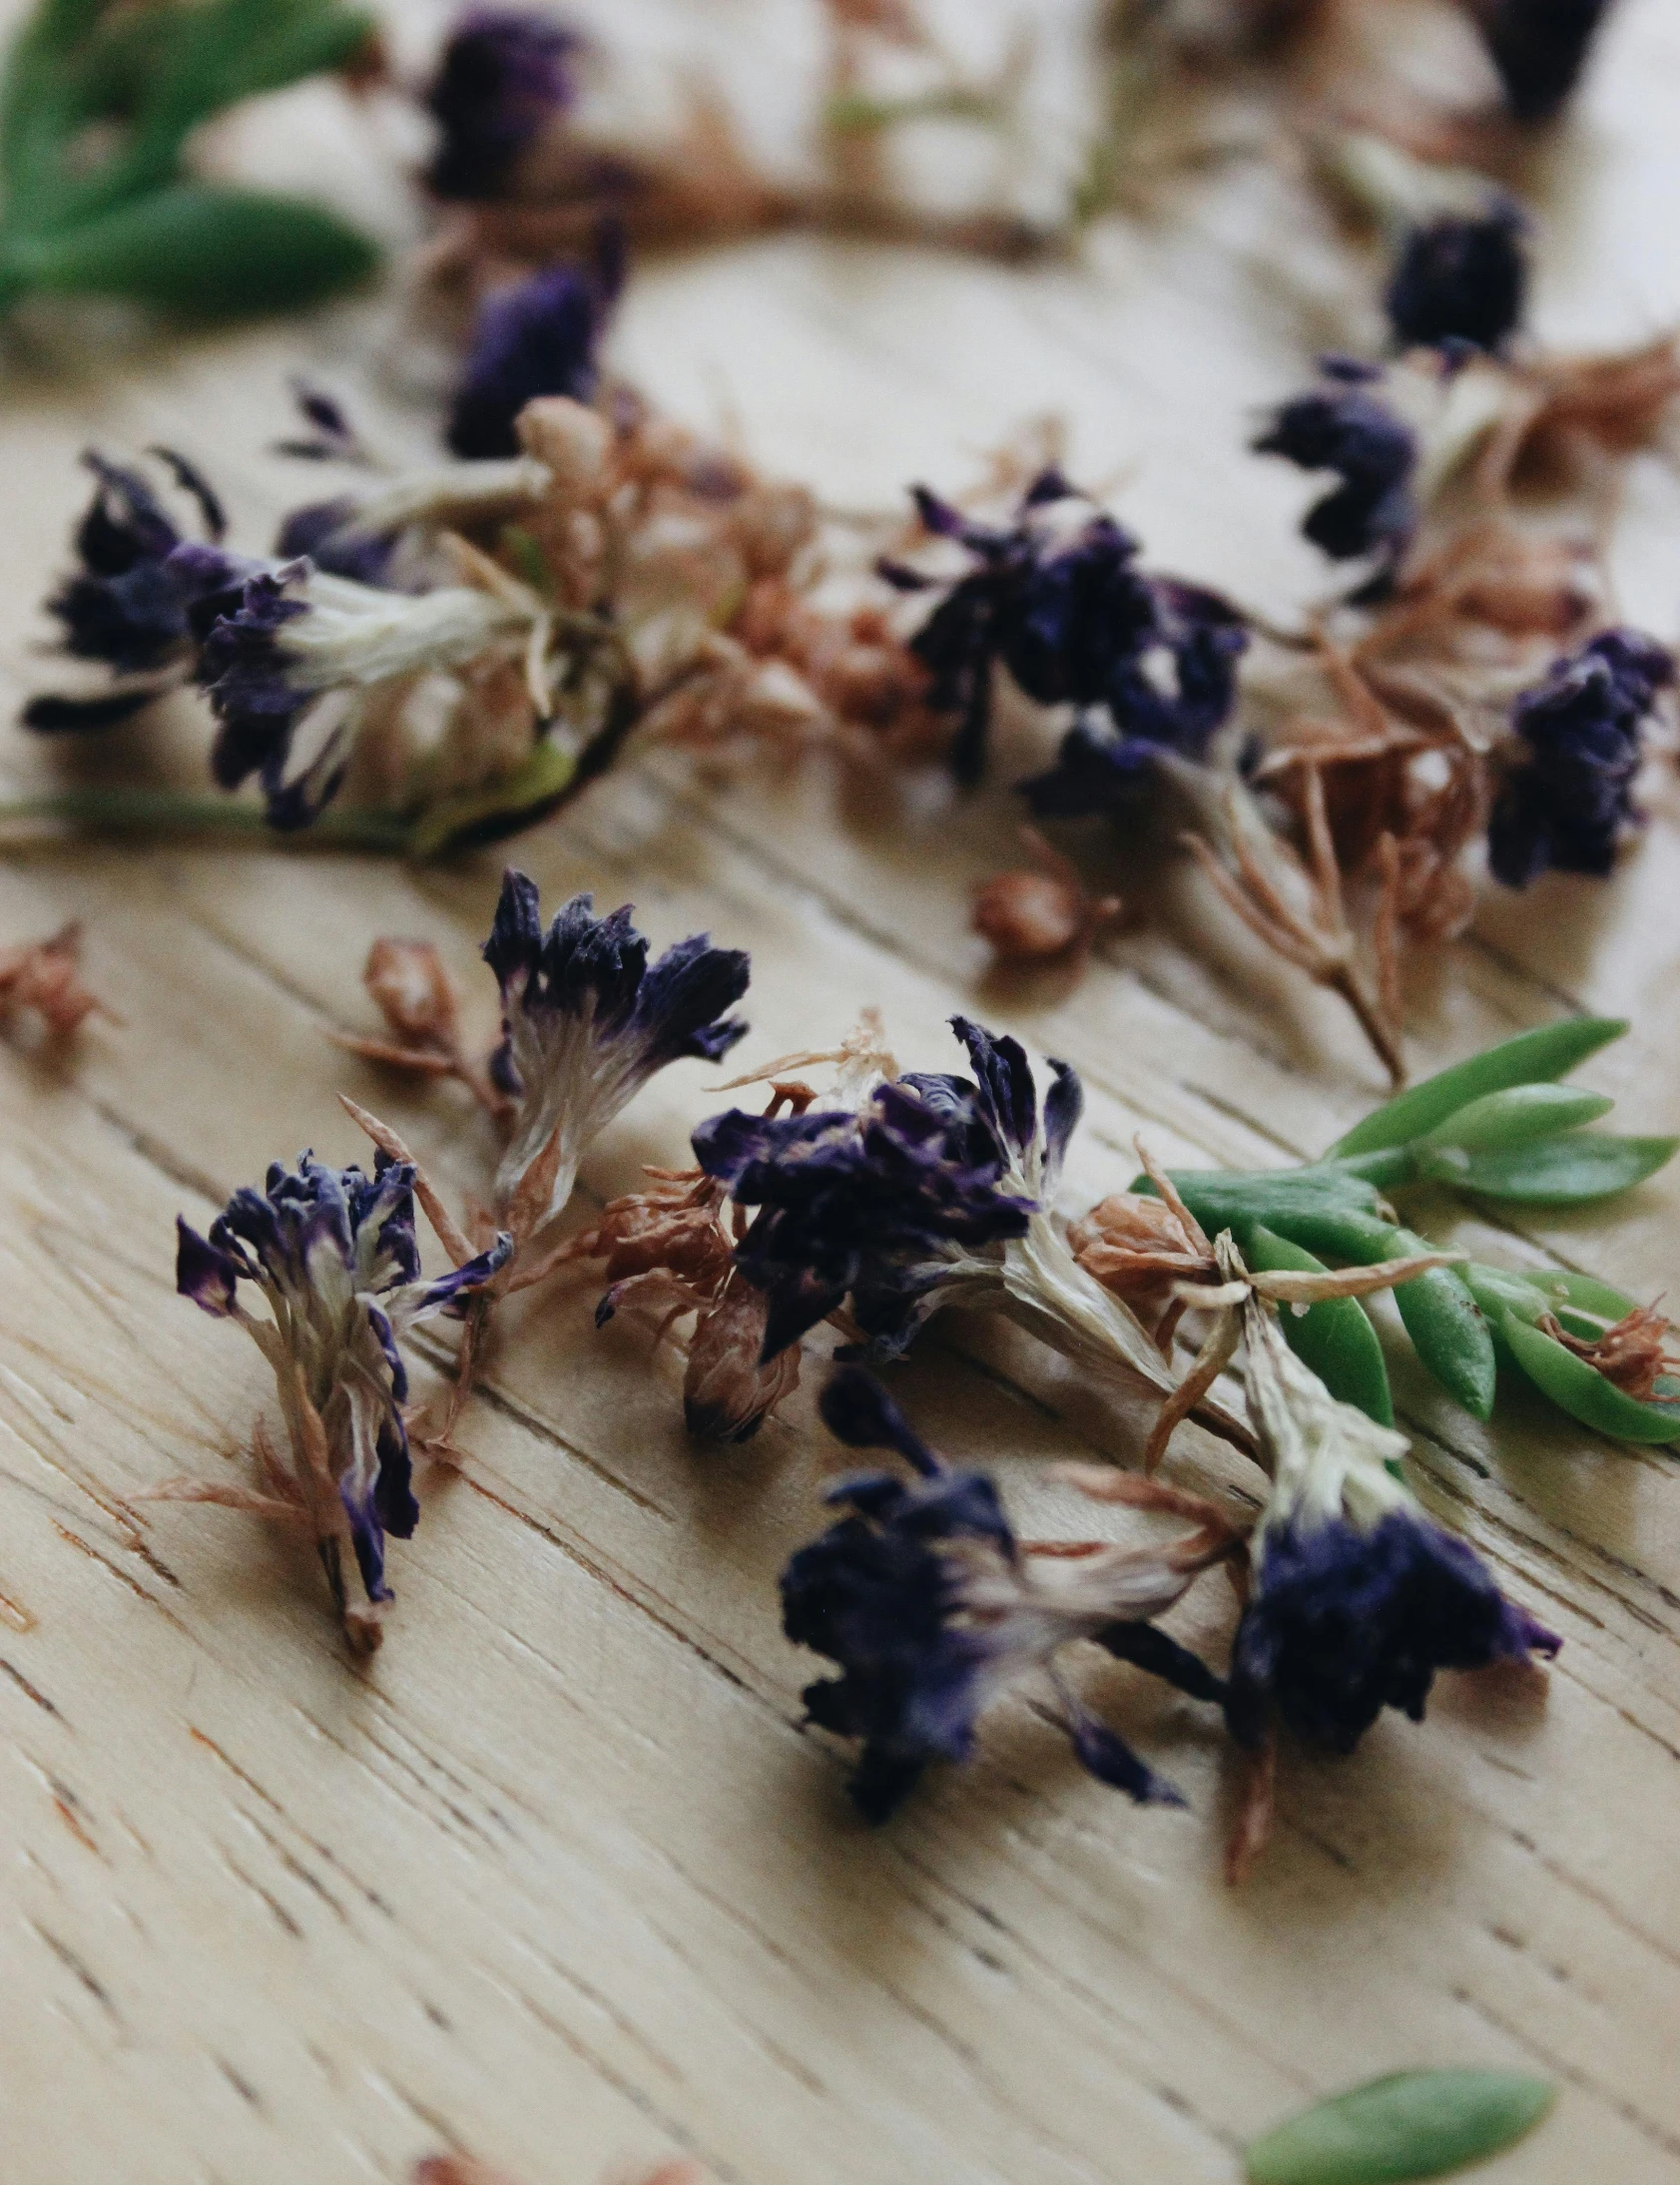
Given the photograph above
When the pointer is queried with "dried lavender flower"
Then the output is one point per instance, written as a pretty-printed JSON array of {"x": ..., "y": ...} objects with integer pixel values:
[
  {"x": 533, "y": 339},
  {"x": 1539, "y": 47},
  {"x": 1358, "y": 1596},
  {"x": 1569, "y": 801},
  {"x": 290, "y": 670},
  {"x": 1056, "y": 599},
  {"x": 334, "y": 1255},
  {"x": 1346, "y": 428},
  {"x": 587, "y": 1021},
  {"x": 1460, "y": 278},
  {"x": 504, "y": 75},
  {"x": 139, "y": 590},
  {"x": 934, "y": 1611}
]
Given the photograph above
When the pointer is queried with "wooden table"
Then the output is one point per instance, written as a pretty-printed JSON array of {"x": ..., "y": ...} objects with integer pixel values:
[{"x": 559, "y": 1877}]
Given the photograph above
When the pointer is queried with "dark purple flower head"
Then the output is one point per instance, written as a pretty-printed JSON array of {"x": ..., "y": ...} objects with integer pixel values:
[
  {"x": 328, "y": 534},
  {"x": 1347, "y": 1619},
  {"x": 1539, "y": 47},
  {"x": 1460, "y": 279},
  {"x": 1346, "y": 427},
  {"x": 536, "y": 338},
  {"x": 130, "y": 604},
  {"x": 893, "y": 1202},
  {"x": 923, "y": 1598},
  {"x": 587, "y": 1021},
  {"x": 333, "y": 1252},
  {"x": 504, "y": 75},
  {"x": 1056, "y": 598},
  {"x": 289, "y": 668},
  {"x": 1358, "y": 1598},
  {"x": 1569, "y": 802}
]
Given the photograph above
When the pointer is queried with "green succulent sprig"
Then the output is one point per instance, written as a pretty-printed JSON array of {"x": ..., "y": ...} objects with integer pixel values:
[
  {"x": 1497, "y": 1127},
  {"x": 98, "y": 102}
]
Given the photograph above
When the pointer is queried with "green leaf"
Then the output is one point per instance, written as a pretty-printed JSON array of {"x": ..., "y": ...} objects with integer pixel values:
[
  {"x": 501, "y": 807},
  {"x": 1513, "y": 1117},
  {"x": 1449, "y": 1332},
  {"x": 1335, "y": 1338},
  {"x": 205, "y": 252},
  {"x": 1579, "y": 1389},
  {"x": 1414, "y": 2124},
  {"x": 1567, "y": 1171},
  {"x": 1549, "y": 1052},
  {"x": 1233, "y": 1198}
]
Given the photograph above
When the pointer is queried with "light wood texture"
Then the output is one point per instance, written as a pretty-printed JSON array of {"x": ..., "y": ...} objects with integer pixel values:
[{"x": 559, "y": 1878}]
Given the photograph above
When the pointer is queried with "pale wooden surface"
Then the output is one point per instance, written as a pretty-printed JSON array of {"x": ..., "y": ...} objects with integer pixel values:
[{"x": 559, "y": 1878}]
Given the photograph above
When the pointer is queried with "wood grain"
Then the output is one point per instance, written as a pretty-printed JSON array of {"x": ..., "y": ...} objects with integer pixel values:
[{"x": 559, "y": 1878}]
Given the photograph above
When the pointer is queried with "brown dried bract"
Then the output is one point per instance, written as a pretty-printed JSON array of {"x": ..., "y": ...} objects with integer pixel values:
[
  {"x": 44, "y": 977},
  {"x": 1633, "y": 1354},
  {"x": 1581, "y": 407},
  {"x": 1036, "y": 917},
  {"x": 417, "y": 999}
]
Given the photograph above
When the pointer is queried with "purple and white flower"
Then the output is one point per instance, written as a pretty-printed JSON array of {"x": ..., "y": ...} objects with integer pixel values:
[
  {"x": 333, "y": 1254},
  {"x": 292, "y": 671},
  {"x": 1358, "y": 1596},
  {"x": 1346, "y": 427},
  {"x": 536, "y": 338},
  {"x": 587, "y": 1022},
  {"x": 933, "y": 1612},
  {"x": 504, "y": 75}
]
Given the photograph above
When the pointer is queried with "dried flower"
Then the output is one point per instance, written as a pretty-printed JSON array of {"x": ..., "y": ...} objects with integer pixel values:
[
  {"x": 934, "y": 1610},
  {"x": 1034, "y": 917},
  {"x": 45, "y": 976},
  {"x": 586, "y": 1022},
  {"x": 1358, "y": 1597},
  {"x": 930, "y": 1191},
  {"x": 1633, "y": 1354},
  {"x": 333, "y": 1252},
  {"x": 291, "y": 673},
  {"x": 133, "y": 601},
  {"x": 1569, "y": 801},
  {"x": 504, "y": 77},
  {"x": 1539, "y": 47},
  {"x": 1460, "y": 278},
  {"x": 1057, "y": 600},
  {"x": 533, "y": 339},
  {"x": 1346, "y": 428},
  {"x": 416, "y": 996}
]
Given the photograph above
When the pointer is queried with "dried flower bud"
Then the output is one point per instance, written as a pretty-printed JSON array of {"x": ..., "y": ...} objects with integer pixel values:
[
  {"x": 572, "y": 440},
  {"x": 726, "y": 1393},
  {"x": 1633, "y": 1354},
  {"x": 1029, "y": 917},
  {"x": 413, "y": 991},
  {"x": 45, "y": 976}
]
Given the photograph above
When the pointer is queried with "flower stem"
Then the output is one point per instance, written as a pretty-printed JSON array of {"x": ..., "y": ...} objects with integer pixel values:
[{"x": 168, "y": 812}]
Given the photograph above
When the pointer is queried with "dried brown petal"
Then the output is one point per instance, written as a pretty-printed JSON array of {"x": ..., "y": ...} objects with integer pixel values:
[
  {"x": 45, "y": 976},
  {"x": 413, "y": 990},
  {"x": 726, "y": 1393},
  {"x": 1632, "y": 1354},
  {"x": 1031, "y": 917}
]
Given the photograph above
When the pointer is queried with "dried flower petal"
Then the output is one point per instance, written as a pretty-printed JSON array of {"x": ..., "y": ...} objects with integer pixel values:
[{"x": 45, "y": 976}]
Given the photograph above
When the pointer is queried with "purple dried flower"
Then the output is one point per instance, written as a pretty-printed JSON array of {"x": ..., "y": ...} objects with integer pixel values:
[
  {"x": 504, "y": 75},
  {"x": 1344, "y": 427},
  {"x": 587, "y": 1022},
  {"x": 333, "y": 1252},
  {"x": 1571, "y": 800},
  {"x": 290, "y": 673},
  {"x": 1058, "y": 601},
  {"x": 537, "y": 338},
  {"x": 925, "y": 1601},
  {"x": 893, "y": 1202},
  {"x": 131, "y": 603},
  {"x": 1460, "y": 279},
  {"x": 1539, "y": 47},
  {"x": 1358, "y": 1598}
]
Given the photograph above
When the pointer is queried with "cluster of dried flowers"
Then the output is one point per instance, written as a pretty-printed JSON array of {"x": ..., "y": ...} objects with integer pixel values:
[{"x": 440, "y": 656}]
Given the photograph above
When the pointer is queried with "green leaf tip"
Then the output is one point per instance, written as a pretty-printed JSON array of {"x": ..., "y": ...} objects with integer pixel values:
[
  {"x": 1413, "y": 2124},
  {"x": 1548, "y": 1052}
]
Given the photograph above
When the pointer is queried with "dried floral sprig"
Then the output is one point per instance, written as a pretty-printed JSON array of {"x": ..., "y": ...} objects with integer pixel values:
[
  {"x": 1357, "y": 1596},
  {"x": 334, "y": 1256},
  {"x": 1043, "y": 915},
  {"x": 416, "y": 996},
  {"x": 933, "y": 1609},
  {"x": 930, "y": 1191},
  {"x": 1500, "y": 1128},
  {"x": 44, "y": 978}
]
